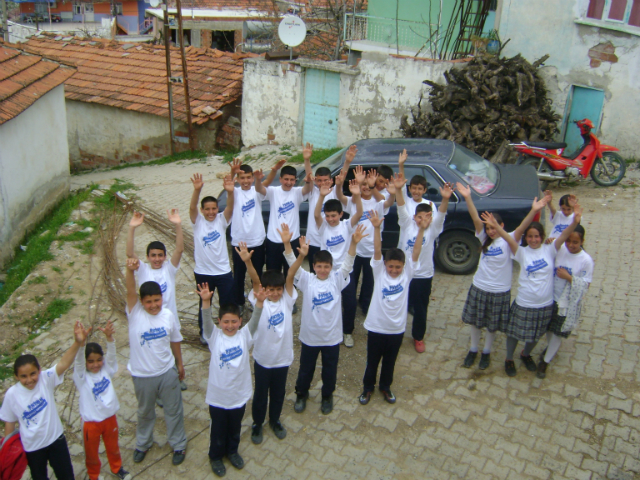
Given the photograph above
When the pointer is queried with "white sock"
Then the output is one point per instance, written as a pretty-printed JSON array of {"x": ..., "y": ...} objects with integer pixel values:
[
  {"x": 475, "y": 338},
  {"x": 489, "y": 337},
  {"x": 552, "y": 348}
]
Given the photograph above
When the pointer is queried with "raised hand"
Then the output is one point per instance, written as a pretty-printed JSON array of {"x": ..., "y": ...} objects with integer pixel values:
[
  {"x": 359, "y": 233},
  {"x": 228, "y": 184},
  {"x": 204, "y": 292},
  {"x": 375, "y": 220},
  {"x": 538, "y": 205},
  {"x": 133, "y": 264},
  {"x": 80, "y": 334},
  {"x": 446, "y": 190},
  {"x": 258, "y": 175},
  {"x": 136, "y": 219},
  {"x": 307, "y": 151},
  {"x": 197, "y": 181},
  {"x": 402, "y": 157},
  {"x": 577, "y": 212},
  {"x": 235, "y": 166},
  {"x": 173, "y": 216},
  {"x": 360, "y": 176},
  {"x": 308, "y": 178},
  {"x": 399, "y": 181},
  {"x": 303, "y": 249},
  {"x": 351, "y": 154},
  {"x": 489, "y": 219},
  {"x": 109, "y": 330},
  {"x": 425, "y": 221},
  {"x": 325, "y": 190},
  {"x": 244, "y": 252},
  {"x": 279, "y": 165},
  {"x": 354, "y": 187},
  {"x": 372, "y": 177},
  {"x": 339, "y": 179},
  {"x": 391, "y": 188},
  {"x": 573, "y": 200},
  {"x": 285, "y": 233},
  {"x": 261, "y": 295},
  {"x": 548, "y": 193},
  {"x": 464, "y": 190}
]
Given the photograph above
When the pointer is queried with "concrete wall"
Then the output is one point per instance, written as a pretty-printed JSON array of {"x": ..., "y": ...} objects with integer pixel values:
[
  {"x": 538, "y": 27},
  {"x": 34, "y": 167}
]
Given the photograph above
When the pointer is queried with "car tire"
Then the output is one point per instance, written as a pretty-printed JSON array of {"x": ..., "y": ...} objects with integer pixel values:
[{"x": 458, "y": 252}]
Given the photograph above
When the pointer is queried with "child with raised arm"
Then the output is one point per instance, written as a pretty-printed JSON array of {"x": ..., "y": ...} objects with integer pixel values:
[
  {"x": 31, "y": 403},
  {"x": 387, "y": 317},
  {"x": 420, "y": 288},
  {"x": 99, "y": 403},
  {"x": 489, "y": 298},
  {"x": 562, "y": 218},
  {"x": 155, "y": 364},
  {"x": 417, "y": 188},
  {"x": 210, "y": 242},
  {"x": 229, "y": 387},
  {"x": 321, "y": 327}
]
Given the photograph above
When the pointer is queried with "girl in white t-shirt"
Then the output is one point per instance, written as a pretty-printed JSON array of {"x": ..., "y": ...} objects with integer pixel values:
[
  {"x": 562, "y": 218},
  {"x": 489, "y": 297},
  {"x": 31, "y": 403},
  {"x": 532, "y": 309},
  {"x": 574, "y": 269}
]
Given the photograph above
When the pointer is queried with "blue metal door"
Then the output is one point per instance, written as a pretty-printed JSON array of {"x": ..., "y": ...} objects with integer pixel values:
[
  {"x": 584, "y": 102},
  {"x": 322, "y": 97}
]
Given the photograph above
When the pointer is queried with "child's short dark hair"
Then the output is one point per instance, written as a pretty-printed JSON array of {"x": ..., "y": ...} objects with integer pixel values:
[
  {"x": 288, "y": 170},
  {"x": 323, "y": 172},
  {"x": 228, "y": 308},
  {"x": 156, "y": 246},
  {"x": 149, "y": 288},
  {"x": 244, "y": 168},
  {"x": 423, "y": 207},
  {"x": 207, "y": 200},
  {"x": 23, "y": 360},
  {"x": 333, "y": 205},
  {"x": 385, "y": 171},
  {"x": 564, "y": 201},
  {"x": 93, "y": 348},
  {"x": 418, "y": 180},
  {"x": 394, "y": 254},
  {"x": 323, "y": 256},
  {"x": 272, "y": 278},
  {"x": 535, "y": 225}
]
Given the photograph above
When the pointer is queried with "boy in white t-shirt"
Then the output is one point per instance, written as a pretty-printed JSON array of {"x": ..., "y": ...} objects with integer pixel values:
[
  {"x": 210, "y": 242},
  {"x": 229, "y": 386},
  {"x": 387, "y": 317},
  {"x": 321, "y": 327},
  {"x": 155, "y": 364}
]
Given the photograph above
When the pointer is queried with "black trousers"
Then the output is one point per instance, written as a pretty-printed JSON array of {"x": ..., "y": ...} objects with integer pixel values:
[
  {"x": 419, "y": 293},
  {"x": 385, "y": 347},
  {"x": 308, "y": 359},
  {"x": 224, "y": 284},
  {"x": 275, "y": 255},
  {"x": 271, "y": 385},
  {"x": 349, "y": 303},
  {"x": 57, "y": 454},
  {"x": 240, "y": 271},
  {"x": 224, "y": 432},
  {"x": 312, "y": 252}
]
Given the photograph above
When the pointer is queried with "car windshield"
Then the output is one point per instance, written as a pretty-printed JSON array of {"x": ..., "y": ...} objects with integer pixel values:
[{"x": 480, "y": 174}]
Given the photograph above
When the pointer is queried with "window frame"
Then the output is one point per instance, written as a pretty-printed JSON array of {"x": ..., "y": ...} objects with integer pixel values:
[{"x": 605, "y": 14}]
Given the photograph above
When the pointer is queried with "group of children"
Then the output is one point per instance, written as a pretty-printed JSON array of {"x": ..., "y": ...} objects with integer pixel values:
[{"x": 339, "y": 251}]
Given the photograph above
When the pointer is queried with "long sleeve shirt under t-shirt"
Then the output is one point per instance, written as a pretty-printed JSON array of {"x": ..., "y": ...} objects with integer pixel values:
[{"x": 409, "y": 232}]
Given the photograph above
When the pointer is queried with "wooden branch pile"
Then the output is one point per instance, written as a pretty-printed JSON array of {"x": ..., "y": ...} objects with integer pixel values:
[{"x": 484, "y": 103}]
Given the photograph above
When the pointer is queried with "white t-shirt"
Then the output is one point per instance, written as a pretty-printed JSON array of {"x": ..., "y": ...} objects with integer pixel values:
[
  {"x": 336, "y": 240},
  {"x": 285, "y": 208},
  {"x": 210, "y": 245},
  {"x": 409, "y": 232},
  {"x": 229, "y": 371},
  {"x": 247, "y": 224},
  {"x": 321, "y": 323},
  {"x": 365, "y": 246},
  {"x": 535, "y": 282},
  {"x": 313, "y": 237},
  {"x": 388, "y": 309},
  {"x": 410, "y": 205},
  {"x": 35, "y": 411},
  {"x": 495, "y": 266},
  {"x": 559, "y": 223},
  {"x": 98, "y": 399},
  {"x": 164, "y": 276},
  {"x": 273, "y": 339},
  {"x": 577, "y": 264},
  {"x": 150, "y": 338}
]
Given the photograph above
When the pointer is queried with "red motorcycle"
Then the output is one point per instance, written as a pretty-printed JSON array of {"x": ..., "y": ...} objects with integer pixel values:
[{"x": 606, "y": 167}]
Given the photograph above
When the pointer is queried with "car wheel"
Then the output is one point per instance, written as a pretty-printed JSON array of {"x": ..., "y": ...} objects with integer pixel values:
[{"x": 458, "y": 252}]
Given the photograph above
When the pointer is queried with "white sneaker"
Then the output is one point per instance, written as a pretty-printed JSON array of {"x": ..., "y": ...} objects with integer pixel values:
[{"x": 348, "y": 340}]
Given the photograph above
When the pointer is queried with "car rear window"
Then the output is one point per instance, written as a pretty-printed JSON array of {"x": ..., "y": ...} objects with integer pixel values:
[{"x": 480, "y": 174}]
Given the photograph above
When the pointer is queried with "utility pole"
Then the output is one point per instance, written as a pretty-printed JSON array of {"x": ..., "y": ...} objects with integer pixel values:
[
  {"x": 167, "y": 51},
  {"x": 185, "y": 76},
  {"x": 5, "y": 23}
]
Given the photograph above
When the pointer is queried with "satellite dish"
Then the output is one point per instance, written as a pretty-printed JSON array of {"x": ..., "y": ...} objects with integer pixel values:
[
  {"x": 292, "y": 31},
  {"x": 154, "y": 3}
]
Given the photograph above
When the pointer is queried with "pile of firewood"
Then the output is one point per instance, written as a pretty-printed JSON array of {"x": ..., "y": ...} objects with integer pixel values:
[{"x": 485, "y": 103}]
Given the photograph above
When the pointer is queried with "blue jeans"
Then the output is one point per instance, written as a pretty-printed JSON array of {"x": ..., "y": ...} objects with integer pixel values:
[{"x": 224, "y": 284}]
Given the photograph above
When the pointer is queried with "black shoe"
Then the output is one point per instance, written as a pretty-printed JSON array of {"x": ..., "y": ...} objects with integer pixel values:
[
  {"x": 529, "y": 363},
  {"x": 256, "y": 434},
  {"x": 485, "y": 361},
  {"x": 236, "y": 460},
  {"x": 470, "y": 359},
  {"x": 301, "y": 403},
  {"x": 218, "y": 467},
  {"x": 364, "y": 397},
  {"x": 326, "y": 407},
  {"x": 510, "y": 368},
  {"x": 279, "y": 431},
  {"x": 542, "y": 369},
  {"x": 389, "y": 397},
  {"x": 138, "y": 455},
  {"x": 178, "y": 456},
  {"x": 122, "y": 474}
]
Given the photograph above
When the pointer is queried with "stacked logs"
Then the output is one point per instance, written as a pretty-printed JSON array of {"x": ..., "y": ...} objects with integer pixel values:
[{"x": 488, "y": 101}]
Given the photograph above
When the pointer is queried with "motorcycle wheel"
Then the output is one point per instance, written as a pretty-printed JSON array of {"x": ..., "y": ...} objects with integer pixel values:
[
  {"x": 529, "y": 160},
  {"x": 609, "y": 169}
]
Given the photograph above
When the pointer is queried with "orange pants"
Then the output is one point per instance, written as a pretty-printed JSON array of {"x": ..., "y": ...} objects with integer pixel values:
[{"x": 92, "y": 431}]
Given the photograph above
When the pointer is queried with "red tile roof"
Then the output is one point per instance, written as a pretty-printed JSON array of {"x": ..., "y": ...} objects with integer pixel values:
[
  {"x": 133, "y": 76},
  {"x": 25, "y": 78}
]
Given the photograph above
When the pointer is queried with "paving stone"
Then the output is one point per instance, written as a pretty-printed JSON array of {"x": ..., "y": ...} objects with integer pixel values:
[
  {"x": 573, "y": 472},
  {"x": 618, "y": 404},
  {"x": 536, "y": 472},
  {"x": 495, "y": 470},
  {"x": 580, "y": 406}
]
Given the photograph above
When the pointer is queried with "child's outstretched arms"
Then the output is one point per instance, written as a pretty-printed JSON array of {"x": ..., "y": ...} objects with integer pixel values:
[
  {"x": 273, "y": 172},
  {"x": 174, "y": 217},
  {"x": 260, "y": 295},
  {"x": 317, "y": 212},
  {"x": 130, "y": 281},
  {"x": 307, "y": 151},
  {"x": 339, "y": 181},
  {"x": 260, "y": 187},
  {"x": 207, "y": 320},
  {"x": 294, "y": 268},
  {"x": 377, "y": 234},
  {"x": 112, "y": 360},
  {"x": 552, "y": 208},
  {"x": 80, "y": 336},
  {"x": 80, "y": 366},
  {"x": 198, "y": 183},
  {"x": 465, "y": 191},
  {"x": 489, "y": 219},
  {"x": 577, "y": 216},
  {"x": 136, "y": 221},
  {"x": 446, "y": 191},
  {"x": 229, "y": 188},
  {"x": 536, "y": 206},
  {"x": 356, "y": 198},
  {"x": 246, "y": 255}
]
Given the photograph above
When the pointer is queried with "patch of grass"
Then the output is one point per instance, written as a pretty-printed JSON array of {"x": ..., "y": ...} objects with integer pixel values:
[
  {"x": 56, "y": 269},
  {"x": 108, "y": 200},
  {"x": 38, "y": 280},
  {"x": 285, "y": 149},
  {"x": 37, "y": 299},
  {"x": 625, "y": 186},
  {"x": 73, "y": 237},
  {"x": 188, "y": 155},
  {"x": 86, "y": 248},
  {"x": 316, "y": 157},
  {"x": 228, "y": 155}
]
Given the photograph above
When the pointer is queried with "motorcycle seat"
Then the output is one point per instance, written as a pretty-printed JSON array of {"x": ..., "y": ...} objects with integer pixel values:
[{"x": 547, "y": 145}]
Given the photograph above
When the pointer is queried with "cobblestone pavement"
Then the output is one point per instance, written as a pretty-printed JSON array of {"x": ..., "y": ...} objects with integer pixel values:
[{"x": 581, "y": 422}]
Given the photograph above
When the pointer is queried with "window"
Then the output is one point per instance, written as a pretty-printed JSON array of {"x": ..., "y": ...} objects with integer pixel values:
[
  {"x": 118, "y": 9},
  {"x": 617, "y": 11},
  {"x": 77, "y": 9},
  {"x": 480, "y": 174}
]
